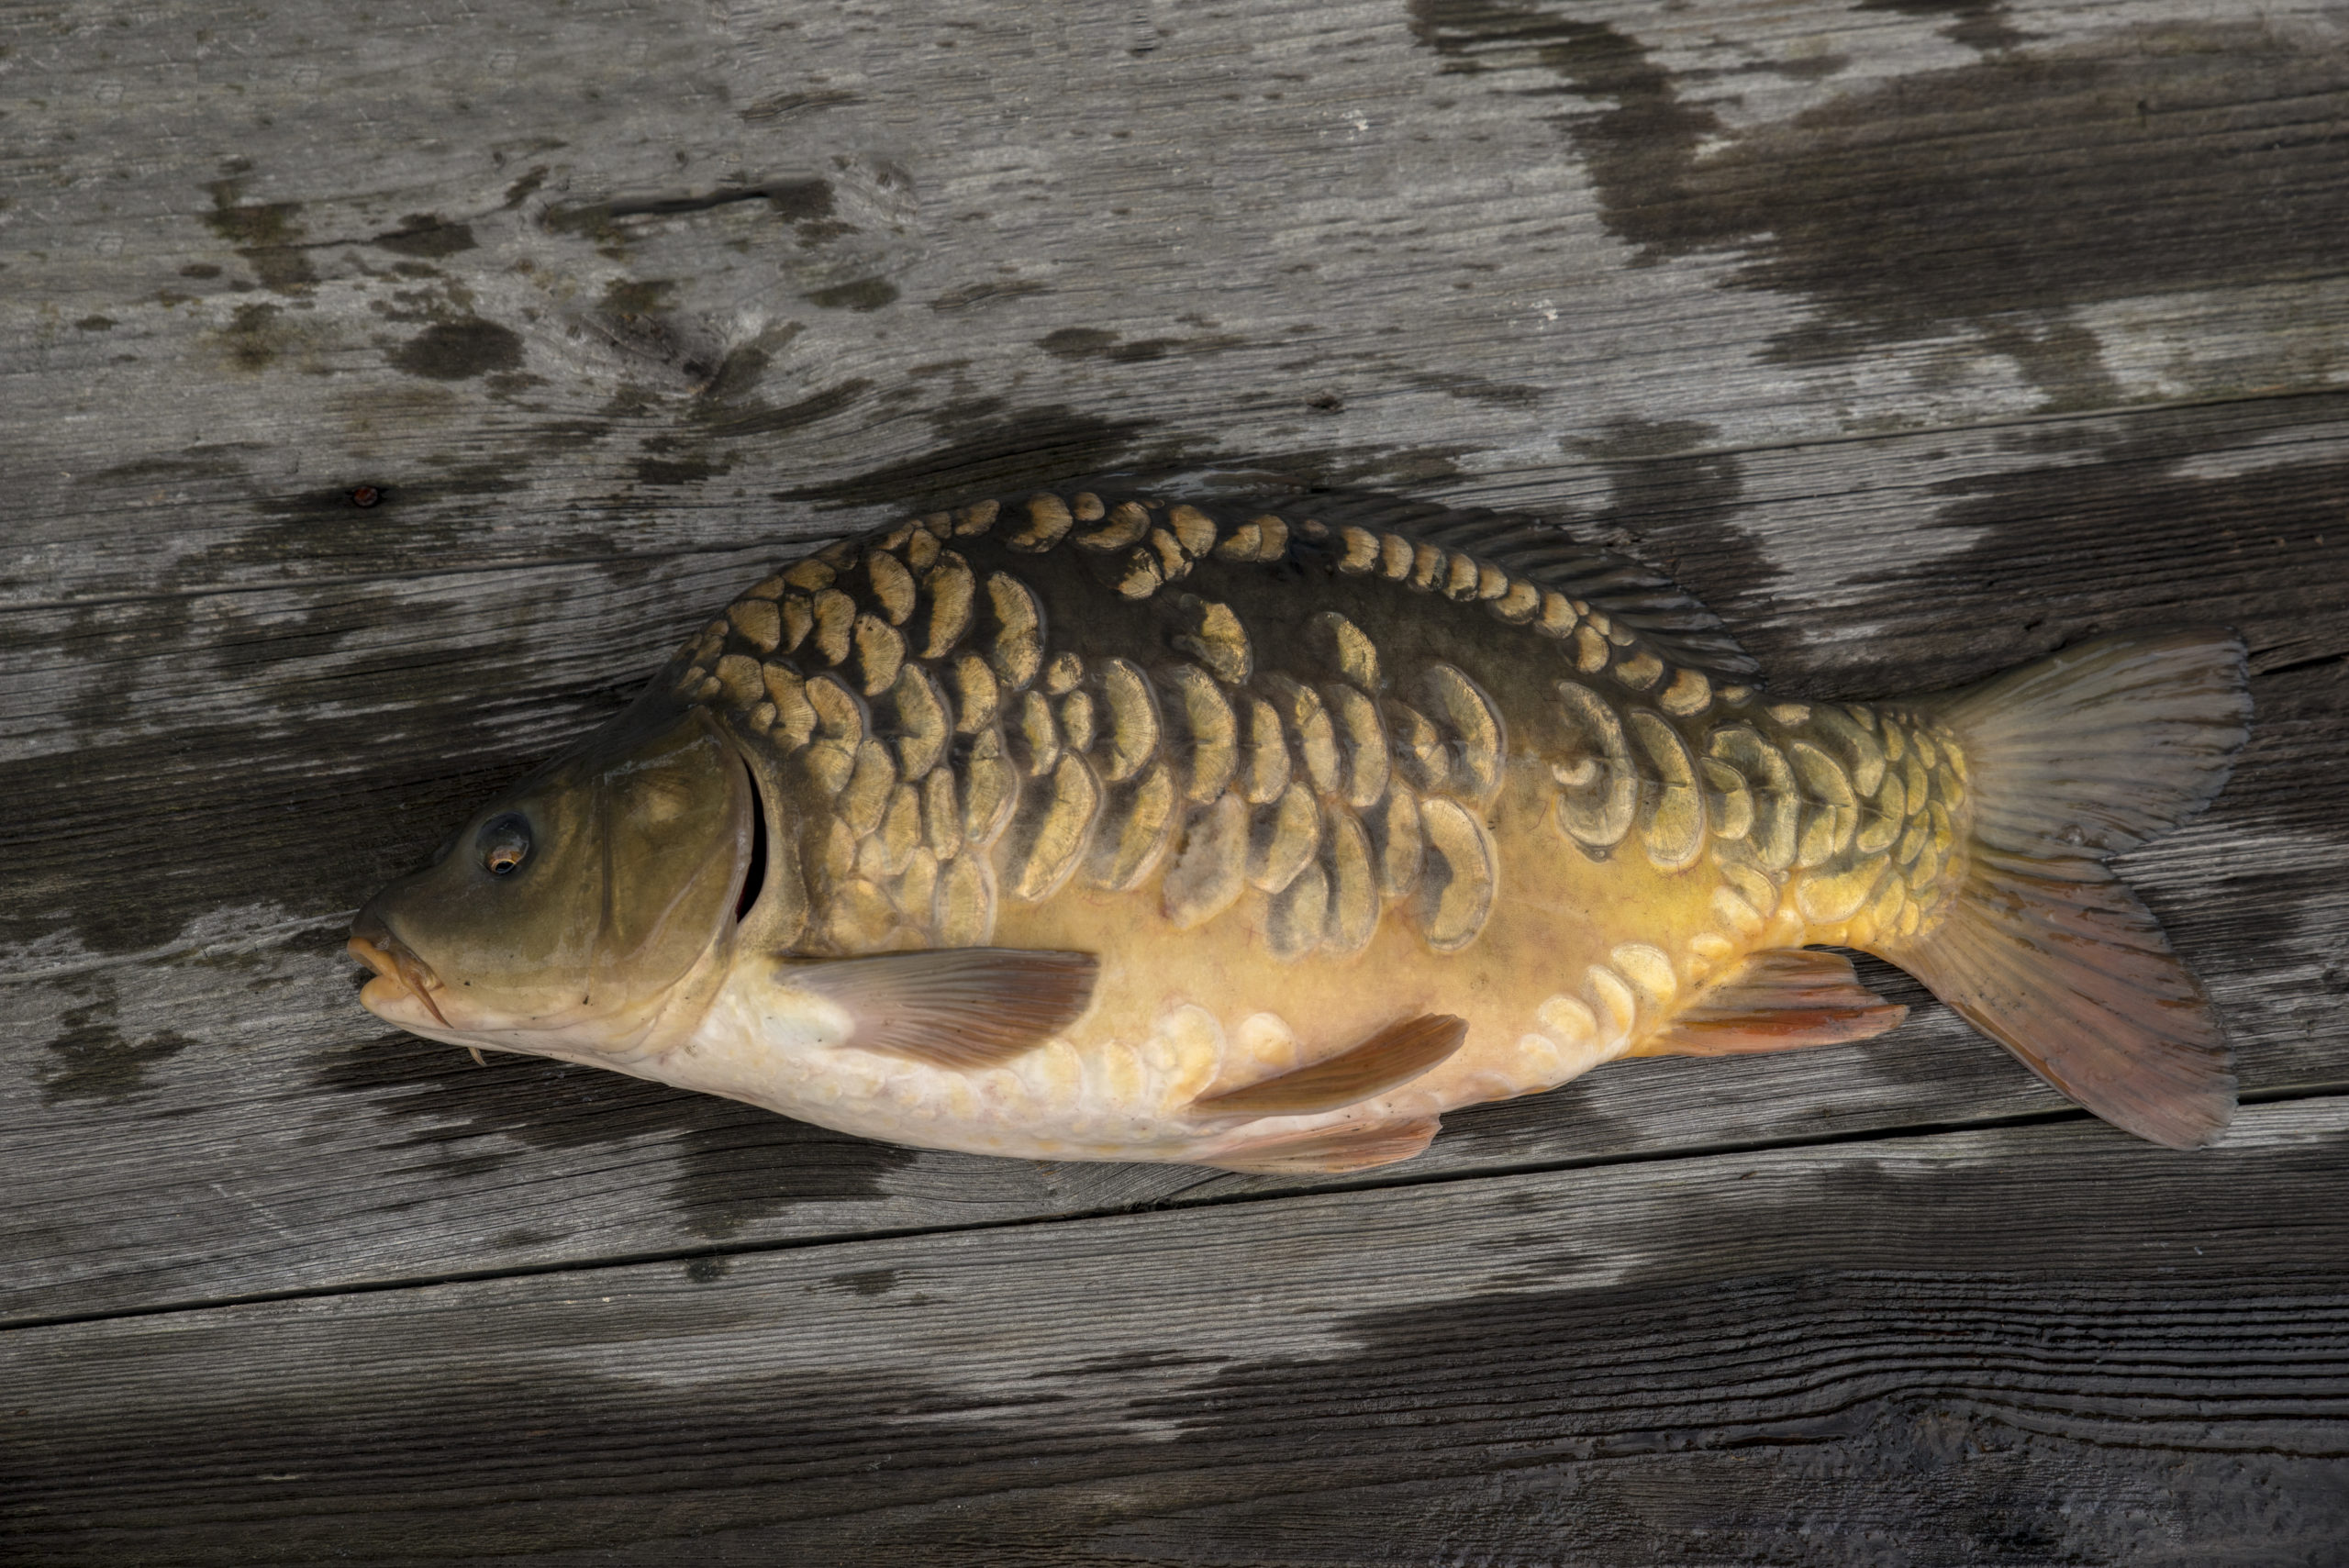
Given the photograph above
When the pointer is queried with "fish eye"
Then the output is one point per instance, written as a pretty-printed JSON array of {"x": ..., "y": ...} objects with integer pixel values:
[{"x": 505, "y": 843}]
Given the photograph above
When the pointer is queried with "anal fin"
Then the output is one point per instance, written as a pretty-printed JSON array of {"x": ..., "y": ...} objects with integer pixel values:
[
  {"x": 1777, "y": 1001},
  {"x": 959, "y": 1007},
  {"x": 1333, "y": 1149},
  {"x": 1395, "y": 1054}
]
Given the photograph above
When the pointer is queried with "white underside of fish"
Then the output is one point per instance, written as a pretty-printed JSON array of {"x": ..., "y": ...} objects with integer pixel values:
[{"x": 1075, "y": 1097}]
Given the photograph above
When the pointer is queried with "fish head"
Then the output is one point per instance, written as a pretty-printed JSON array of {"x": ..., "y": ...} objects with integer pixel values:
[{"x": 588, "y": 912}]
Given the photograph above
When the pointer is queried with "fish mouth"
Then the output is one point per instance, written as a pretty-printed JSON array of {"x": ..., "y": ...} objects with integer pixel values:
[{"x": 399, "y": 971}]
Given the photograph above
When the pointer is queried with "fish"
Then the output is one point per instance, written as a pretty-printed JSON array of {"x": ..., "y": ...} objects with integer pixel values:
[{"x": 1258, "y": 834}]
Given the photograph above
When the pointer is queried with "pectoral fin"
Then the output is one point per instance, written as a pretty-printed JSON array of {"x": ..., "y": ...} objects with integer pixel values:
[
  {"x": 962, "y": 1007},
  {"x": 1333, "y": 1149},
  {"x": 1778, "y": 1001},
  {"x": 1395, "y": 1054}
]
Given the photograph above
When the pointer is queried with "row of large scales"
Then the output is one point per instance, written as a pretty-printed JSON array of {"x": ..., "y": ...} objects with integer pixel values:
[{"x": 944, "y": 754}]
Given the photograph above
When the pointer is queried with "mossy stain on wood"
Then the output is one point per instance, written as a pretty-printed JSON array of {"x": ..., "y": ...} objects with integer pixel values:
[
  {"x": 253, "y": 337},
  {"x": 192, "y": 820},
  {"x": 971, "y": 294},
  {"x": 264, "y": 233},
  {"x": 591, "y": 221},
  {"x": 866, "y": 1282},
  {"x": 753, "y": 418},
  {"x": 996, "y": 451},
  {"x": 863, "y": 293},
  {"x": 1978, "y": 24},
  {"x": 1677, "y": 504},
  {"x": 682, "y": 470},
  {"x": 1092, "y": 343},
  {"x": 426, "y": 234},
  {"x": 1076, "y": 343},
  {"x": 637, "y": 297},
  {"x": 522, "y": 189},
  {"x": 457, "y": 351},
  {"x": 95, "y": 1061},
  {"x": 800, "y": 201},
  {"x": 567, "y": 435},
  {"x": 2219, "y": 131}
]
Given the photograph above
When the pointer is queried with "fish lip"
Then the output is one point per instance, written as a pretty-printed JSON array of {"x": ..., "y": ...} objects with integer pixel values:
[{"x": 372, "y": 944}]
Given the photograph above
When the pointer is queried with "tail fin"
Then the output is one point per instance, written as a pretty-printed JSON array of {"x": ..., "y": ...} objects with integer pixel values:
[{"x": 2093, "y": 751}]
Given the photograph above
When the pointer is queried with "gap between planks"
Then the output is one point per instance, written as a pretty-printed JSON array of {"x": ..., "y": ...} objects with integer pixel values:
[{"x": 1914, "y": 1133}]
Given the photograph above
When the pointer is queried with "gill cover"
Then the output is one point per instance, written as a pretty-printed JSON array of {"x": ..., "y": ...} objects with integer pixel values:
[{"x": 675, "y": 823}]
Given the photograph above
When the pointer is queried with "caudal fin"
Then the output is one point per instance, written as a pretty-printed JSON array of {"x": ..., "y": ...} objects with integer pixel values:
[{"x": 2073, "y": 759}]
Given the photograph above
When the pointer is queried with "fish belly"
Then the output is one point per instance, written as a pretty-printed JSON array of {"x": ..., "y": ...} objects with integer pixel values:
[{"x": 1579, "y": 961}]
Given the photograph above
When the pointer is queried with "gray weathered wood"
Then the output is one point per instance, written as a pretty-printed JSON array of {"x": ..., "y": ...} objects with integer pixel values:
[
  {"x": 1917, "y": 337},
  {"x": 219, "y": 778},
  {"x": 2016, "y": 1347},
  {"x": 631, "y": 275}
]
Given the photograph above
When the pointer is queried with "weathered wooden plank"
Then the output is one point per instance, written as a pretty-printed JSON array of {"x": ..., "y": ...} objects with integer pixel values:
[
  {"x": 207, "y": 784},
  {"x": 1819, "y": 306},
  {"x": 1849, "y": 568},
  {"x": 634, "y": 272},
  {"x": 2008, "y": 1347}
]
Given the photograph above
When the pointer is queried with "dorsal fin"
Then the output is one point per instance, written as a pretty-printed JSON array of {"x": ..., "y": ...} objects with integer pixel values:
[
  {"x": 1777, "y": 1001},
  {"x": 1659, "y": 612},
  {"x": 1395, "y": 1054}
]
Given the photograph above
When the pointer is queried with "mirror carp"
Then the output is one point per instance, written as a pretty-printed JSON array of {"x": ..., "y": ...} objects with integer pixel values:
[{"x": 1103, "y": 827}]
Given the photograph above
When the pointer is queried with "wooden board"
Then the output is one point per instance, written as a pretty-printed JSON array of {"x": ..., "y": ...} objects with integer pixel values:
[
  {"x": 2015, "y": 1347},
  {"x": 200, "y": 1111},
  {"x": 1917, "y": 337},
  {"x": 613, "y": 285}
]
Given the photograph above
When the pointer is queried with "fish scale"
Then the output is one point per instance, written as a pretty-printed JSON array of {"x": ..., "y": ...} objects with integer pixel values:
[
  {"x": 1061, "y": 819},
  {"x": 1808, "y": 776}
]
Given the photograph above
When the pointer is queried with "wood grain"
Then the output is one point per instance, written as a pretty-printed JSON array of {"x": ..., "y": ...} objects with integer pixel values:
[
  {"x": 621, "y": 281},
  {"x": 215, "y": 779},
  {"x": 219, "y": 778},
  {"x": 1917, "y": 337},
  {"x": 2011, "y": 1347}
]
